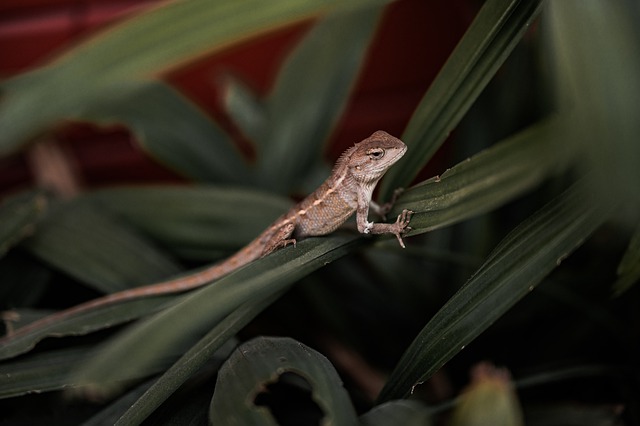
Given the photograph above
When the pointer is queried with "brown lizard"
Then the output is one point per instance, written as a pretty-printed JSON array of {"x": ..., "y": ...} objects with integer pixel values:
[{"x": 347, "y": 190}]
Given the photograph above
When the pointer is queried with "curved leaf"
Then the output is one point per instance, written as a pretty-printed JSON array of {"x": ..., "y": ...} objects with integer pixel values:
[
  {"x": 260, "y": 362},
  {"x": 513, "y": 269}
]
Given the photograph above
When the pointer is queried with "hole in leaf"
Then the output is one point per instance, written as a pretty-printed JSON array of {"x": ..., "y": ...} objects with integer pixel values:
[{"x": 289, "y": 400}]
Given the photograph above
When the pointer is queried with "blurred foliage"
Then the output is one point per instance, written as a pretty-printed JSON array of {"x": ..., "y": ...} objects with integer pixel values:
[{"x": 531, "y": 233}]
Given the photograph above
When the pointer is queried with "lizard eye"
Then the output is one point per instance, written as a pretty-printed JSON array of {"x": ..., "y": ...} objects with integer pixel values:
[{"x": 376, "y": 153}]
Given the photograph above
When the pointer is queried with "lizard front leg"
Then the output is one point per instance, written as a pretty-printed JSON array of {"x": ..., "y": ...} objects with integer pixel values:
[{"x": 398, "y": 228}]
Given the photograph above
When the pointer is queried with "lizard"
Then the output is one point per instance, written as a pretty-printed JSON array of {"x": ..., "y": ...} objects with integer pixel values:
[{"x": 346, "y": 191}]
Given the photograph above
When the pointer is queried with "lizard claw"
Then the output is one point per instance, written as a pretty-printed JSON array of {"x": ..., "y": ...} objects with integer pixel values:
[{"x": 402, "y": 225}]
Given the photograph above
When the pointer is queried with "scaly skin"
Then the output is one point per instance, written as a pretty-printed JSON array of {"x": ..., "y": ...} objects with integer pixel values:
[{"x": 346, "y": 191}]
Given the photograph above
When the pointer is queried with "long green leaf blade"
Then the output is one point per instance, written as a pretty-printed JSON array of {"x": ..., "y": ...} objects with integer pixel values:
[
  {"x": 514, "y": 268},
  {"x": 51, "y": 370},
  {"x": 489, "y": 179},
  {"x": 76, "y": 325},
  {"x": 200, "y": 222},
  {"x": 310, "y": 94},
  {"x": 493, "y": 34}
]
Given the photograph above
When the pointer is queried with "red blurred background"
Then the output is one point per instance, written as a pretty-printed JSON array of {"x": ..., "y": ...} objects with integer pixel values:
[{"x": 413, "y": 41}]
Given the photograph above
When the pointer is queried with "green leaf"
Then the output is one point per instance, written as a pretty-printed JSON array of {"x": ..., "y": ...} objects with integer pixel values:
[
  {"x": 310, "y": 94},
  {"x": 398, "y": 412},
  {"x": 487, "y": 180},
  {"x": 202, "y": 309},
  {"x": 495, "y": 31},
  {"x": 24, "y": 339},
  {"x": 629, "y": 267},
  {"x": 196, "y": 358},
  {"x": 511, "y": 271},
  {"x": 18, "y": 217},
  {"x": 171, "y": 129},
  {"x": 201, "y": 222},
  {"x": 146, "y": 45},
  {"x": 262, "y": 361},
  {"x": 89, "y": 245},
  {"x": 39, "y": 373},
  {"x": 51, "y": 370}
]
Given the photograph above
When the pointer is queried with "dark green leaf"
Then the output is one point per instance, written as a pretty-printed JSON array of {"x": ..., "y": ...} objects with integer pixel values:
[
  {"x": 493, "y": 34},
  {"x": 262, "y": 361},
  {"x": 207, "y": 220},
  {"x": 52, "y": 370},
  {"x": 39, "y": 373},
  {"x": 89, "y": 245},
  {"x": 488, "y": 179},
  {"x": 310, "y": 93},
  {"x": 513, "y": 269},
  {"x": 23, "y": 340},
  {"x": 171, "y": 129}
]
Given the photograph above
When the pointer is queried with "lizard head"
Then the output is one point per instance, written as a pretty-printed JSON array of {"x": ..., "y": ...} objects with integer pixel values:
[{"x": 369, "y": 159}]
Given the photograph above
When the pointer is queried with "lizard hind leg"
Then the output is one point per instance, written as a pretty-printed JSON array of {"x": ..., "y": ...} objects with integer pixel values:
[{"x": 279, "y": 238}]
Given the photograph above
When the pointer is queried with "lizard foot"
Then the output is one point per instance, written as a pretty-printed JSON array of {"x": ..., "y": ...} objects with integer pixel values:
[{"x": 402, "y": 225}]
